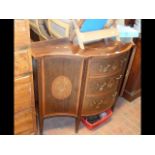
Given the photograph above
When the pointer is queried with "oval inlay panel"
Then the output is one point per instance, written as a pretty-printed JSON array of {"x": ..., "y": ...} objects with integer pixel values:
[{"x": 61, "y": 87}]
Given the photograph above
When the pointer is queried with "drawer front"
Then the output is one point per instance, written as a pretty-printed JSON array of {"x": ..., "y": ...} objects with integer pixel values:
[
  {"x": 24, "y": 95},
  {"x": 22, "y": 34},
  {"x": 25, "y": 122},
  {"x": 102, "y": 85},
  {"x": 103, "y": 66},
  {"x": 22, "y": 62},
  {"x": 94, "y": 105}
]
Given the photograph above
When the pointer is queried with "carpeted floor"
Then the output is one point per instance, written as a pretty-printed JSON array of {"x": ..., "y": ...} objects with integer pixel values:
[{"x": 124, "y": 121}]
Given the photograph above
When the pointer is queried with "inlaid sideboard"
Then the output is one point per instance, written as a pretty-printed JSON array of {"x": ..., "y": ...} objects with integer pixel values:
[
  {"x": 74, "y": 82},
  {"x": 24, "y": 107}
]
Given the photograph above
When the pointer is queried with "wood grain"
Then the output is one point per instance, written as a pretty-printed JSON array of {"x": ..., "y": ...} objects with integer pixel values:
[
  {"x": 25, "y": 122},
  {"x": 22, "y": 34},
  {"x": 86, "y": 70},
  {"x": 23, "y": 93},
  {"x": 25, "y": 115},
  {"x": 22, "y": 62},
  {"x": 132, "y": 88}
]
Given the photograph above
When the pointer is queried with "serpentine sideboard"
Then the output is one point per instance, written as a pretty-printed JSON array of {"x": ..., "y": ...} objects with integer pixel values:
[{"x": 74, "y": 82}]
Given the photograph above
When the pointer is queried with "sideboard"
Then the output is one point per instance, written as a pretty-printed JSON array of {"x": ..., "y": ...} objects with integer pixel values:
[{"x": 73, "y": 82}]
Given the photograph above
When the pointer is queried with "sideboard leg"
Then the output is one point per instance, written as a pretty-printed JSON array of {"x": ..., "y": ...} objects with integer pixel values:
[
  {"x": 77, "y": 125},
  {"x": 41, "y": 126}
]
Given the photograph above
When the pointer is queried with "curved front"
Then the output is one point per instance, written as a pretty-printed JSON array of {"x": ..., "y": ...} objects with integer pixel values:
[
  {"x": 74, "y": 82},
  {"x": 60, "y": 89},
  {"x": 104, "y": 75}
]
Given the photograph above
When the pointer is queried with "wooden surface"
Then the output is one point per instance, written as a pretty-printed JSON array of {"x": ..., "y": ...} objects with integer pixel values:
[
  {"x": 133, "y": 86},
  {"x": 25, "y": 119},
  {"x": 25, "y": 122},
  {"x": 22, "y": 62},
  {"x": 21, "y": 30},
  {"x": 24, "y": 93},
  {"x": 58, "y": 80},
  {"x": 93, "y": 76}
]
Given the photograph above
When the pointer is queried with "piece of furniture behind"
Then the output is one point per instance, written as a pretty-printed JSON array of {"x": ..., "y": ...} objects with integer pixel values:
[
  {"x": 25, "y": 117},
  {"x": 92, "y": 30},
  {"x": 132, "y": 89},
  {"x": 133, "y": 86},
  {"x": 59, "y": 28},
  {"x": 38, "y": 27}
]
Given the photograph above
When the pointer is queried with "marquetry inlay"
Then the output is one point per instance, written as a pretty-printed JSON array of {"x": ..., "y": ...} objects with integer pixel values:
[{"x": 61, "y": 87}]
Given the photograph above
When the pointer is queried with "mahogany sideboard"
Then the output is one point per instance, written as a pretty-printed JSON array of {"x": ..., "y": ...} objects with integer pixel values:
[
  {"x": 24, "y": 107},
  {"x": 73, "y": 82}
]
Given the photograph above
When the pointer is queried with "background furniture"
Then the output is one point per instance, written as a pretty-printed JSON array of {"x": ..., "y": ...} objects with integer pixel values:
[
  {"x": 38, "y": 26},
  {"x": 132, "y": 89},
  {"x": 59, "y": 28},
  {"x": 74, "y": 82},
  {"x": 94, "y": 30},
  {"x": 25, "y": 117}
]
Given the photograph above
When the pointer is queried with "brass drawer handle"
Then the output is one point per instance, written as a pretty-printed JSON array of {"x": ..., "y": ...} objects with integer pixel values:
[
  {"x": 114, "y": 94},
  {"x": 104, "y": 69},
  {"x": 111, "y": 83},
  {"x": 100, "y": 87},
  {"x": 120, "y": 76},
  {"x": 94, "y": 102},
  {"x": 114, "y": 67},
  {"x": 101, "y": 101}
]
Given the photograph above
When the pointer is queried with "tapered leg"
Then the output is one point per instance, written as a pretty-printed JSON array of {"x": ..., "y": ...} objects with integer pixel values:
[
  {"x": 41, "y": 125},
  {"x": 77, "y": 124}
]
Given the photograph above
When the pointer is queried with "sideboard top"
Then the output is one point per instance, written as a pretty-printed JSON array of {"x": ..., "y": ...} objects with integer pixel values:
[{"x": 65, "y": 47}]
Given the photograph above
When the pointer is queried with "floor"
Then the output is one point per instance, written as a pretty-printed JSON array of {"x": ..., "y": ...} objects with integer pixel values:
[{"x": 124, "y": 121}]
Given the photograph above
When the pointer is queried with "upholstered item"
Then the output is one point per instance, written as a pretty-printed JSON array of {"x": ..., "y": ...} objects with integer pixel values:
[
  {"x": 93, "y": 25},
  {"x": 93, "y": 30},
  {"x": 60, "y": 28}
]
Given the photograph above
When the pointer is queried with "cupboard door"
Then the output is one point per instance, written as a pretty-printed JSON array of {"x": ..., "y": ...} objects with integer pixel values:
[{"x": 61, "y": 82}]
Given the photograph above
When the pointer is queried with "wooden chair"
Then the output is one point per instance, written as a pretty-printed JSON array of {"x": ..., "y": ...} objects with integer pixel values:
[
  {"x": 59, "y": 28},
  {"x": 108, "y": 31},
  {"x": 39, "y": 27}
]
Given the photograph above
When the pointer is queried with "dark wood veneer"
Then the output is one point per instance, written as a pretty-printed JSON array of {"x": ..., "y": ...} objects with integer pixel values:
[{"x": 70, "y": 80}]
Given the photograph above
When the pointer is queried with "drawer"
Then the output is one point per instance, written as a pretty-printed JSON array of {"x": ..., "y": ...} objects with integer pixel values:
[
  {"x": 107, "y": 66},
  {"x": 95, "y": 105},
  {"x": 22, "y": 34},
  {"x": 25, "y": 122},
  {"x": 102, "y": 85},
  {"x": 22, "y": 62},
  {"x": 24, "y": 95}
]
